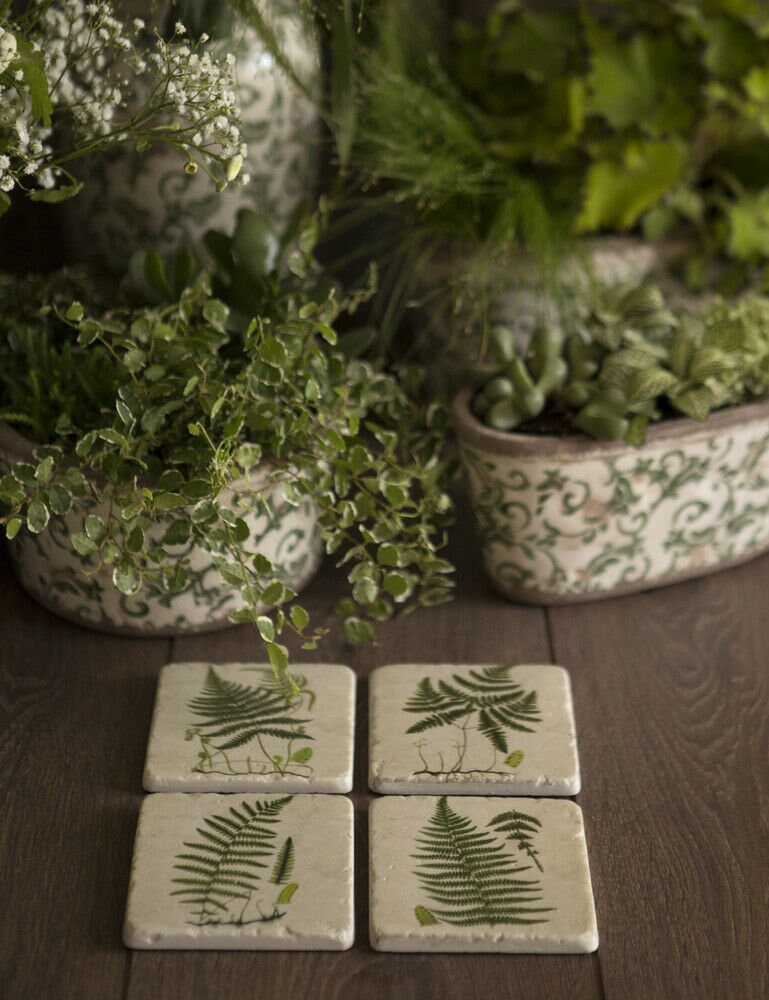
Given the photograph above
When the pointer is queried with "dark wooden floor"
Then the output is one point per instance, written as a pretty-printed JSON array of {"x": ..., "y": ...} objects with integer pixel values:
[{"x": 672, "y": 700}]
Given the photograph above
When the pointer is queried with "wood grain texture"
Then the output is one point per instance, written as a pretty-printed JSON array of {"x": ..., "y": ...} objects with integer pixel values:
[
  {"x": 74, "y": 709},
  {"x": 672, "y": 699},
  {"x": 672, "y": 696}
]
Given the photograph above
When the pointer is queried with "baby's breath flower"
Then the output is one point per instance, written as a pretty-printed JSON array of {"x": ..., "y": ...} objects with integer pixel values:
[
  {"x": 8, "y": 48},
  {"x": 91, "y": 60}
]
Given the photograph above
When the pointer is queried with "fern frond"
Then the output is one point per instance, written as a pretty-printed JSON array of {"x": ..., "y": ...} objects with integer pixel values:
[
  {"x": 492, "y": 730},
  {"x": 299, "y": 686},
  {"x": 232, "y": 714},
  {"x": 227, "y": 864},
  {"x": 470, "y": 875},
  {"x": 501, "y": 704},
  {"x": 438, "y": 719},
  {"x": 427, "y": 699},
  {"x": 284, "y": 863},
  {"x": 522, "y": 829}
]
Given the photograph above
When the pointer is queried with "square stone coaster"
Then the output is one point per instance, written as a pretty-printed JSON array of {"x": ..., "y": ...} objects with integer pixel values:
[
  {"x": 479, "y": 874},
  {"x": 228, "y": 728},
  {"x": 247, "y": 872},
  {"x": 472, "y": 730}
]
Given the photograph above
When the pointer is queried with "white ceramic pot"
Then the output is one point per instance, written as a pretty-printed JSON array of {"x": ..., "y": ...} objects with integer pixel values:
[
  {"x": 70, "y": 585},
  {"x": 565, "y": 519},
  {"x": 134, "y": 201}
]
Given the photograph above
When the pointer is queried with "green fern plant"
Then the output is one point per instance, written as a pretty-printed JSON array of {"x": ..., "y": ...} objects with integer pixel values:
[
  {"x": 237, "y": 715},
  {"x": 223, "y": 868},
  {"x": 471, "y": 876},
  {"x": 486, "y": 700}
]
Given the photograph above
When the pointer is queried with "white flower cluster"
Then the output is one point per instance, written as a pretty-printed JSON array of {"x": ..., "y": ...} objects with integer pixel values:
[
  {"x": 8, "y": 49},
  {"x": 105, "y": 90},
  {"x": 193, "y": 87},
  {"x": 22, "y": 140}
]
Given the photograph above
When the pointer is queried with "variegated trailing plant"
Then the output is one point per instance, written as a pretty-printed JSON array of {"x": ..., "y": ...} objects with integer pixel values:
[
  {"x": 251, "y": 719},
  {"x": 159, "y": 409},
  {"x": 488, "y": 701},
  {"x": 469, "y": 876},
  {"x": 222, "y": 873},
  {"x": 627, "y": 360}
]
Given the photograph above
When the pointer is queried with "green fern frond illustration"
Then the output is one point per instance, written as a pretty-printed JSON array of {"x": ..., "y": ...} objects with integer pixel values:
[
  {"x": 471, "y": 876},
  {"x": 522, "y": 829},
  {"x": 487, "y": 700},
  {"x": 232, "y": 715},
  {"x": 284, "y": 863},
  {"x": 223, "y": 868},
  {"x": 299, "y": 686}
]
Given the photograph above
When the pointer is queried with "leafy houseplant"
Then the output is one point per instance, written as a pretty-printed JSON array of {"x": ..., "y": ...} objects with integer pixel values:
[
  {"x": 538, "y": 128},
  {"x": 170, "y": 425},
  {"x": 665, "y": 489}
]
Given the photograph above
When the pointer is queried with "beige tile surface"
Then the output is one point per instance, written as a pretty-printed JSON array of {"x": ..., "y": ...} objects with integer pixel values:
[
  {"x": 225, "y": 727},
  {"x": 470, "y": 874},
  {"x": 472, "y": 730},
  {"x": 258, "y": 872}
]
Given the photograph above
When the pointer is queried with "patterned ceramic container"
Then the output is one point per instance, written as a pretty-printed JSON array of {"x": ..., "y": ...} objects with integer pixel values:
[
  {"x": 572, "y": 519},
  {"x": 135, "y": 201},
  {"x": 69, "y": 585}
]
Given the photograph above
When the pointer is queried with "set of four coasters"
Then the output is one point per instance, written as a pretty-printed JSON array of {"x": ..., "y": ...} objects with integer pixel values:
[{"x": 474, "y": 845}]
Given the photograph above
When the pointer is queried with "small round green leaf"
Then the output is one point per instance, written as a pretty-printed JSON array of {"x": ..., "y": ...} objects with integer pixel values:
[
  {"x": 37, "y": 517},
  {"x": 124, "y": 577}
]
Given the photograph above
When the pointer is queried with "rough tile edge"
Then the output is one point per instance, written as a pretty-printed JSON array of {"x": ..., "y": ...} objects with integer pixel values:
[
  {"x": 579, "y": 945},
  {"x": 510, "y": 789},
  {"x": 137, "y": 943},
  {"x": 454, "y": 664},
  {"x": 258, "y": 664},
  {"x": 288, "y": 786}
]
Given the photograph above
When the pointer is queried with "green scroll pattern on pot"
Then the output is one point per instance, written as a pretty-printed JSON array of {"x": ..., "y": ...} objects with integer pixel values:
[
  {"x": 561, "y": 527},
  {"x": 70, "y": 585}
]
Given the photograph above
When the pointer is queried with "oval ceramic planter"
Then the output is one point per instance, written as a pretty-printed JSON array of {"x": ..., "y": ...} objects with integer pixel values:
[
  {"x": 566, "y": 519},
  {"x": 69, "y": 585},
  {"x": 137, "y": 201}
]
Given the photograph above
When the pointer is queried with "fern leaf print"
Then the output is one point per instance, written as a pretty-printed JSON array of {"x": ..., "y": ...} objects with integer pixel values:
[
  {"x": 522, "y": 830},
  {"x": 221, "y": 874},
  {"x": 257, "y": 722},
  {"x": 284, "y": 863},
  {"x": 487, "y": 701},
  {"x": 470, "y": 877}
]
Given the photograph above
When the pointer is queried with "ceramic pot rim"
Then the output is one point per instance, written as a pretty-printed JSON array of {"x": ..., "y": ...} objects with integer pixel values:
[{"x": 470, "y": 430}]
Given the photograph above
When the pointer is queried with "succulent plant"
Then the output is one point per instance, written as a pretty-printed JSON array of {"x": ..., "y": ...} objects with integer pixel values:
[
  {"x": 516, "y": 389},
  {"x": 630, "y": 360}
]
